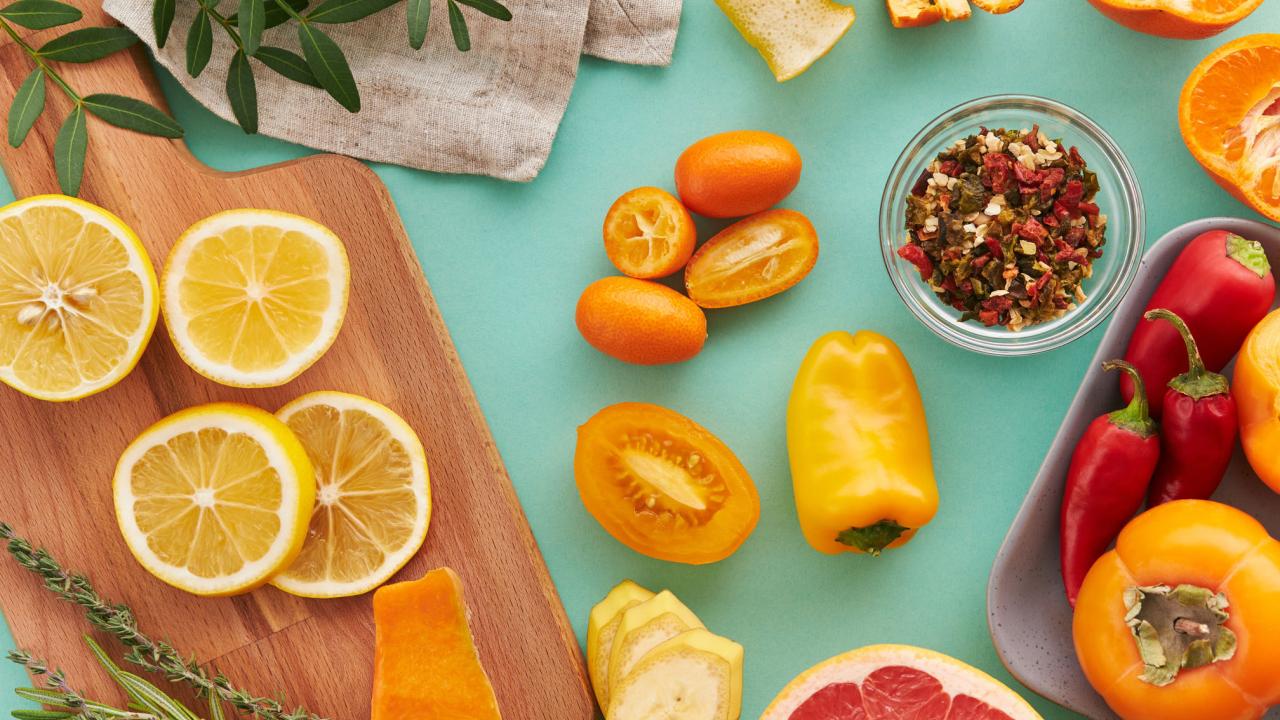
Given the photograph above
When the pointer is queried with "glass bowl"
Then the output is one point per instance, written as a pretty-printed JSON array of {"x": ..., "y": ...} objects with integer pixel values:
[{"x": 1119, "y": 198}]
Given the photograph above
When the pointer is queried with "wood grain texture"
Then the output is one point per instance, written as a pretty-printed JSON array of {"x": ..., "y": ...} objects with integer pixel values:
[{"x": 394, "y": 348}]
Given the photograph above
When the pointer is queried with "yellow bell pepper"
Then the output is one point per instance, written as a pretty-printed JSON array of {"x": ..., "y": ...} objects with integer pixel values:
[
  {"x": 859, "y": 446},
  {"x": 1256, "y": 389}
]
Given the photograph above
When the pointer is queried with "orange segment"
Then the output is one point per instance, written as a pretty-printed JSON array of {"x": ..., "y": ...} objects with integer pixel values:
[
  {"x": 752, "y": 259},
  {"x": 648, "y": 234},
  {"x": 1230, "y": 119},
  {"x": 1186, "y": 19}
]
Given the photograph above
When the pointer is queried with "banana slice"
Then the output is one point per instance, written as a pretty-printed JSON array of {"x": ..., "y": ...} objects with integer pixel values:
[
  {"x": 643, "y": 628},
  {"x": 606, "y": 616},
  {"x": 692, "y": 676}
]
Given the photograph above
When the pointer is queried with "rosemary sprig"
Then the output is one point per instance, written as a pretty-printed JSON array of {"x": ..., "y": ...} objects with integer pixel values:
[
  {"x": 77, "y": 46},
  {"x": 155, "y": 656},
  {"x": 322, "y": 63}
]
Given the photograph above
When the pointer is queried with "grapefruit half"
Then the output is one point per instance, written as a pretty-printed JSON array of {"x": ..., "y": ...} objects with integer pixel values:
[{"x": 898, "y": 682}]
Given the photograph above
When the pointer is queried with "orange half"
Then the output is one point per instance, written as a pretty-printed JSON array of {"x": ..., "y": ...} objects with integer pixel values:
[
  {"x": 1230, "y": 119},
  {"x": 1186, "y": 19}
]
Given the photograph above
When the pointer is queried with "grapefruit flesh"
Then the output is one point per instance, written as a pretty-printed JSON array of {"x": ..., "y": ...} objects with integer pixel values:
[{"x": 889, "y": 682}]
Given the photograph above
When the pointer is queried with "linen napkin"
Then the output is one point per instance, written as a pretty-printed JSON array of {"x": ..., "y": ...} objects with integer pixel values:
[{"x": 491, "y": 111}]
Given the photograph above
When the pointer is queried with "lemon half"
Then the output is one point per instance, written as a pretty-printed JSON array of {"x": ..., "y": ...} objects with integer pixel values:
[
  {"x": 373, "y": 502},
  {"x": 78, "y": 298},
  {"x": 254, "y": 297},
  {"x": 215, "y": 499}
]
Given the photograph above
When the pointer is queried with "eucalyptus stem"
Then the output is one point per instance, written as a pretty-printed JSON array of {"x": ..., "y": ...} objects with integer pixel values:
[
  {"x": 40, "y": 63},
  {"x": 222, "y": 20},
  {"x": 155, "y": 656}
]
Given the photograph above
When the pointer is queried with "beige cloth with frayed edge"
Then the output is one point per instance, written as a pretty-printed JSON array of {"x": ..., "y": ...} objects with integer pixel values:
[{"x": 491, "y": 111}]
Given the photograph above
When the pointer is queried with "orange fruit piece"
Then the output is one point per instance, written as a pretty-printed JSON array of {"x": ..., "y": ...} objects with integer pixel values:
[
  {"x": 913, "y": 13},
  {"x": 1186, "y": 19},
  {"x": 648, "y": 233},
  {"x": 752, "y": 259},
  {"x": 425, "y": 664},
  {"x": 663, "y": 485},
  {"x": 737, "y": 173},
  {"x": 1229, "y": 114},
  {"x": 997, "y": 7},
  {"x": 953, "y": 10},
  {"x": 640, "y": 322}
]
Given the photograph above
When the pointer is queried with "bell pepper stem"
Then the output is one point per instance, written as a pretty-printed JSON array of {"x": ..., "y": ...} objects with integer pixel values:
[
  {"x": 1136, "y": 416},
  {"x": 1197, "y": 382},
  {"x": 873, "y": 538}
]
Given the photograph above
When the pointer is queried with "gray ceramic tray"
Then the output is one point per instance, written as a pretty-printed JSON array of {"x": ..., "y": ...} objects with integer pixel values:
[{"x": 1027, "y": 611}]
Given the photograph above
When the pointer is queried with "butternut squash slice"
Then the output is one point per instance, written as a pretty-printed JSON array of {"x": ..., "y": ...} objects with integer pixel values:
[{"x": 425, "y": 661}]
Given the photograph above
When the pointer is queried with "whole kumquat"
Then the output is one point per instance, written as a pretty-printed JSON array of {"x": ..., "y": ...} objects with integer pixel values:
[
  {"x": 640, "y": 322},
  {"x": 648, "y": 233},
  {"x": 737, "y": 173}
]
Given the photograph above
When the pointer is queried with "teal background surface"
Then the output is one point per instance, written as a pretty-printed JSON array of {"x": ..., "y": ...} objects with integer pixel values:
[{"x": 507, "y": 262}]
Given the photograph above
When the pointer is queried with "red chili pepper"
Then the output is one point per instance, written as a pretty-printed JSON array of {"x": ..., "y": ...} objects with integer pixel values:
[
  {"x": 1198, "y": 430},
  {"x": 1221, "y": 285},
  {"x": 1106, "y": 482}
]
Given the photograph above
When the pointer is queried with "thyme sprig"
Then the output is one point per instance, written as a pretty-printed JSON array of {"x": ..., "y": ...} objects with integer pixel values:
[
  {"x": 322, "y": 63},
  {"x": 77, "y": 46},
  {"x": 153, "y": 655}
]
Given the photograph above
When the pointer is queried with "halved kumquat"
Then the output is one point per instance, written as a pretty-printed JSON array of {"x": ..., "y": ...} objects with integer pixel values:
[
  {"x": 1230, "y": 119},
  {"x": 648, "y": 233},
  {"x": 752, "y": 259}
]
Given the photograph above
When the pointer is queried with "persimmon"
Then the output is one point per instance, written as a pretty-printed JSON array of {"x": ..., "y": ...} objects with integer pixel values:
[{"x": 663, "y": 485}]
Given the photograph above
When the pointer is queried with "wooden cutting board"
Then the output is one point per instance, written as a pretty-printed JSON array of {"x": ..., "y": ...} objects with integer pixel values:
[{"x": 58, "y": 458}]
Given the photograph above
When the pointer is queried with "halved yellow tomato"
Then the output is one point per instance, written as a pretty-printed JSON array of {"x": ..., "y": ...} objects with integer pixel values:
[
  {"x": 752, "y": 259},
  {"x": 663, "y": 485}
]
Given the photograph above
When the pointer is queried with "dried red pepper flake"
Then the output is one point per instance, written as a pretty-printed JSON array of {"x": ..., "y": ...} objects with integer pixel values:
[{"x": 1002, "y": 240}]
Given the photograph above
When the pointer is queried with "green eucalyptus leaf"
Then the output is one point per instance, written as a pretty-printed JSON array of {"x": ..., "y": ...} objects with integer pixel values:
[
  {"x": 132, "y": 114},
  {"x": 492, "y": 8},
  {"x": 276, "y": 15},
  {"x": 458, "y": 24},
  {"x": 243, "y": 93},
  {"x": 199, "y": 44},
  {"x": 345, "y": 11},
  {"x": 162, "y": 19},
  {"x": 87, "y": 44},
  {"x": 253, "y": 18},
  {"x": 287, "y": 63},
  {"x": 40, "y": 14},
  {"x": 329, "y": 65},
  {"x": 419, "y": 14},
  {"x": 27, "y": 105},
  {"x": 69, "y": 150}
]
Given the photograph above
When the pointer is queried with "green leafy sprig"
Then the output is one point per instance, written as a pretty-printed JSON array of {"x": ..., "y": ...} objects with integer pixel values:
[
  {"x": 77, "y": 46},
  {"x": 322, "y": 63},
  {"x": 152, "y": 655}
]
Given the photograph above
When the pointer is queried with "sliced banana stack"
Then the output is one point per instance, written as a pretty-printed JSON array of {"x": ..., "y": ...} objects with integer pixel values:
[{"x": 650, "y": 658}]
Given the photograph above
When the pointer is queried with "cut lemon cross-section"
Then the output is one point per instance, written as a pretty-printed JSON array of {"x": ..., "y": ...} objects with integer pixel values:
[
  {"x": 253, "y": 297},
  {"x": 215, "y": 499},
  {"x": 373, "y": 501},
  {"x": 78, "y": 298}
]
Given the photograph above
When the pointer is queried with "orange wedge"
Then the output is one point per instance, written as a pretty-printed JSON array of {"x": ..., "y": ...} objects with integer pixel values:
[
  {"x": 1186, "y": 19},
  {"x": 790, "y": 34},
  {"x": 997, "y": 7},
  {"x": 1230, "y": 119}
]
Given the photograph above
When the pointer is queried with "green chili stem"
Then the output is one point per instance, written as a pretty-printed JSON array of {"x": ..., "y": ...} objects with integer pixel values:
[
  {"x": 1137, "y": 415},
  {"x": 1194, "y": 361},
  {"x": 40, "y": 63}
]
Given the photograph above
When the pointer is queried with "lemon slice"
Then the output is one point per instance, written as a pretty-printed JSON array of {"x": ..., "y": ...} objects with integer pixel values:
[
  {"x": 78, "y": 298},
  {"x": 790, "y": 34},
  {"x": 253, "y": 297},
  {"x": 373, "y": 501},
  {"x": 214, "y": 499}
]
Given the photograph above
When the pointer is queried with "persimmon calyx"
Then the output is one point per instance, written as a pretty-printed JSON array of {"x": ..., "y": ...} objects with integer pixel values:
[{"x": 1177, "y": 628}]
